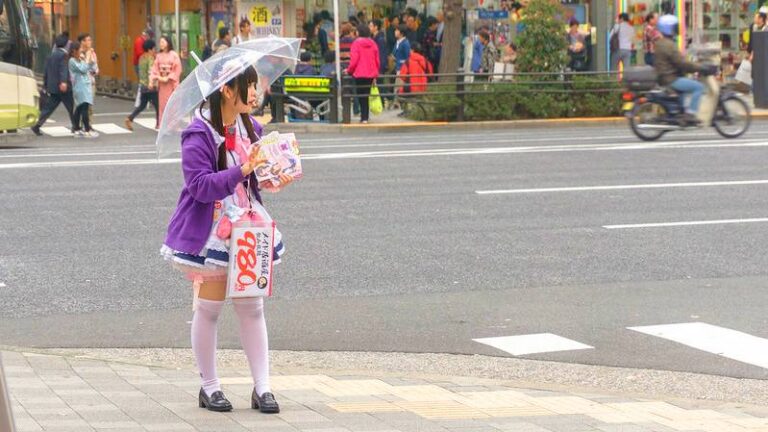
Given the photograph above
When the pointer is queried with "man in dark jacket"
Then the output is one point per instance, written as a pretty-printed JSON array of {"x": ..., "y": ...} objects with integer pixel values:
[
  {"x": 381, "y": 41},
  {"x": 672, "y": 67},
  {"x": 56, "y": 83},
  {"x": 431, "y": 44}
]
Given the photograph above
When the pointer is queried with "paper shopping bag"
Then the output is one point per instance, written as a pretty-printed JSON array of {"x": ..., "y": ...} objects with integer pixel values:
[
  {"x": 744, "y": 74},
  {"x": 250, "y": 259}
]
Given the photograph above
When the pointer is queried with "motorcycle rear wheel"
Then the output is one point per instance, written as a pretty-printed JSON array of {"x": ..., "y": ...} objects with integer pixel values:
[
  {"x": 732, "y": 117},
  {"x": 645, "y": 120}
]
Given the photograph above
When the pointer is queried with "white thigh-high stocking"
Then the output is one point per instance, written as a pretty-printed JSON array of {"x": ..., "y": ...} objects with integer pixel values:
[
  {"x": 253, "y": 337},
  {"x": 204, "y": 342}
]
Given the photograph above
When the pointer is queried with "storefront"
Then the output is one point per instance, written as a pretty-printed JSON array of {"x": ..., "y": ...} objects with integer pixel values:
[
  {"x": 705, "y": 21},
  {"x": 46, "y": 18}
]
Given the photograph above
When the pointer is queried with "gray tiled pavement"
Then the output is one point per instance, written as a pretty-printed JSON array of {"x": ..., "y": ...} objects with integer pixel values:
[{"x": 59, "y": 393}]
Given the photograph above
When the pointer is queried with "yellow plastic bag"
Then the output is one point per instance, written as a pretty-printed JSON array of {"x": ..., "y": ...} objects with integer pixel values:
[{"x": 374, "y": 101}]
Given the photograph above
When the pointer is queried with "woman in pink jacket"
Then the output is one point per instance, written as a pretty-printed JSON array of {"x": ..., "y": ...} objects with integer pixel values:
[{"x": 364, "y": 67}]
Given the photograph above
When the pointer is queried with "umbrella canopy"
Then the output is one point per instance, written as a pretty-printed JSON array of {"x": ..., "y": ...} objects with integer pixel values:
[{"x": 270, "y": 56}]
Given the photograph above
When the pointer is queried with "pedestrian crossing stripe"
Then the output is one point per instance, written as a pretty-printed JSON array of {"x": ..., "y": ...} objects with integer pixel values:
[
  {"x": 110, "y": 129},
  {"x": 56, "y": 131},
  {"x": 532, "y": 344},
  {"x": 721, "y": 341},
  {"x": 148, "y": 123},
  {"x": 102, "y": 128}
]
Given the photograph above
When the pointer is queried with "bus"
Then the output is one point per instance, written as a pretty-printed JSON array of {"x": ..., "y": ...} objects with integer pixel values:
[{"x": 19, "y": 98}]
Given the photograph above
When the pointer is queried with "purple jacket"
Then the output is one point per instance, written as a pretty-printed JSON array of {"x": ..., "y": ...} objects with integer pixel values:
[{"x": 191, "y": 223}]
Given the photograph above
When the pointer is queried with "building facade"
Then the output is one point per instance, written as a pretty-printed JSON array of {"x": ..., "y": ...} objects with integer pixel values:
[{"x": 115, "y": 24}]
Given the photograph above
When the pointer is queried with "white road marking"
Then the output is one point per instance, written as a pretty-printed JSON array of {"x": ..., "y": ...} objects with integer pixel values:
[
  {"x": 56, "y": 131},
  {"x": 110, "y": 129},
  {"x": 2, "y": 285},
  {"x": 148, "y": 123},
  {"x": 721, "y": 341},
  {"x": 532, "y": 343},
  {"x": 41, "y": 155},
  {"x": 623, "y": 187},
  {"x": 69, "y": 164},
  {"x": 112, "y": 114},
  {"x": 423, "y": 153},
  {"x": 687, "y": 223},
  {"x": 306, "y": 144}
]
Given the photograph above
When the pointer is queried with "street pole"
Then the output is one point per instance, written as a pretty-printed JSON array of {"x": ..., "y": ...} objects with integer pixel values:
[
  {"x": 178, "y": 28},
  {"x": 92, "y": 16},
  {"x": 336, "y": 44},
  {"x": 6, "y": 415}
]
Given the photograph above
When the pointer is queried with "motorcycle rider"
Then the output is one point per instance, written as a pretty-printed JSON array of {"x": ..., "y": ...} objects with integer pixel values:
[{"x": 672, "y": 67}]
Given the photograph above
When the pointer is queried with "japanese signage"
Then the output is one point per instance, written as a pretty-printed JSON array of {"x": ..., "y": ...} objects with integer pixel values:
[
  {"x": 250, "y": 263},
  {"x": 295, "y": 84},
  {"x": 266, "y": 17}
]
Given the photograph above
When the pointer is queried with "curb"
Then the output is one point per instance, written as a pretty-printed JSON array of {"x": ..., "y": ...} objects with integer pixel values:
[
  {"x": 448, "y": 126},
  {"x": 583, "y": 122}
]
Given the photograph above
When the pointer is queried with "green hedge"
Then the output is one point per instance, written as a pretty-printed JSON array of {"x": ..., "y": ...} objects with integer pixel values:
[{"x": 580, "y": 97}]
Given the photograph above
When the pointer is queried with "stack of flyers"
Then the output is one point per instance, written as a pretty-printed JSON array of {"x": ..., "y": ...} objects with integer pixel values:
[{"x": 281, "y": 152}]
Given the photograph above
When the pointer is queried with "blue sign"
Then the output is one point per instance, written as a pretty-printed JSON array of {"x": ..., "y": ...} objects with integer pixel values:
[{"x": 492, "y": 14}]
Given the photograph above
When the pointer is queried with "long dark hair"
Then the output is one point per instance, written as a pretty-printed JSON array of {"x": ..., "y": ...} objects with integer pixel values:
[
  {"x": 168, "y": 40},
  {"x": 74, "y": 51},
  {"x": 240, "y": 84}
]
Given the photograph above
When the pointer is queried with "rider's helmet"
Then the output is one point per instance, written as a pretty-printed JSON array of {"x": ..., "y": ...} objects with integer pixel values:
[{"x": 668, "y": 25}]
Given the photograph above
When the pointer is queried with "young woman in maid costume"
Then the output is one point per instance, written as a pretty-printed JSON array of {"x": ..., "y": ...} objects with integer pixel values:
[{"x": 218, "y": 160}]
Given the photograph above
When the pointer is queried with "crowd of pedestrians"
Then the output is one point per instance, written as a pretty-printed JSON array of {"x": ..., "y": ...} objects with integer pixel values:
[
  {"x": 400, "y": 55},
  {"x": 159, "y": 71},
  {"x": 70, "y": 78},
  {"x": 407, "y": 46},
  {"x": 70, "y": 73}
]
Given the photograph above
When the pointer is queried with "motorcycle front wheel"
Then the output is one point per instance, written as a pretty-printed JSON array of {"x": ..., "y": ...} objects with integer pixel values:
[
  {"x": 732, "y": 117},
  {"x": 645, "y": 120}
]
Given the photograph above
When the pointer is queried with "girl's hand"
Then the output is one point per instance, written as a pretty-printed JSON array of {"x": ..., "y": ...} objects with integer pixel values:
[
  {"x": 253, "y": 161},
  {"x": 285, "y": 180}
]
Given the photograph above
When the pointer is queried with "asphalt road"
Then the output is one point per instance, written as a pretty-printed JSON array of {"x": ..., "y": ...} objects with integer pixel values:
[{"x": 390, "y": 247}]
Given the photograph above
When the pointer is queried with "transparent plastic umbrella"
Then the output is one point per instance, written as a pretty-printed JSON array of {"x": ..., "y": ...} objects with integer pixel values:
[{"x": 270, "y": 56}]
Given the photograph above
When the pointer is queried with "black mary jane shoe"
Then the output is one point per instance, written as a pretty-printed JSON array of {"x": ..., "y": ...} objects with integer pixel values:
[
  {"x": 265, "y": 403},
  {"x": 217, "y": 402}
]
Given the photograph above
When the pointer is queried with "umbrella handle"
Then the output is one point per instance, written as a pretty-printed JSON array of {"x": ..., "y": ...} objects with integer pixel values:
[{"x": 197, "y": 59}]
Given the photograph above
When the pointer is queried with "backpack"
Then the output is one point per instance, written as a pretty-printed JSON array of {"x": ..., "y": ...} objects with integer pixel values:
[{"x": 614, "y": 41}]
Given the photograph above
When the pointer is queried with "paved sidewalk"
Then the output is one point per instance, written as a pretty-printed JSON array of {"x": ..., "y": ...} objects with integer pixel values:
[{"x": 70, "y": 393}]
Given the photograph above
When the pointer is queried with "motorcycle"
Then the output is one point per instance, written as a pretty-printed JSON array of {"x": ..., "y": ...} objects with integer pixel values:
[{"x": 654, "y": 111}]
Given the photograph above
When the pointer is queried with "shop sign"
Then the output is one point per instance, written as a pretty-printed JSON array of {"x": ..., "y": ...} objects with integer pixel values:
[
  {"x": 492, "y": 14},
  {"x": 266, "y": 17},
  {"x": 307, "y": 84}
]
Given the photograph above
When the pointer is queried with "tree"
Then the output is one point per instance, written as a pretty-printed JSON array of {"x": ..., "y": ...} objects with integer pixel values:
[
  {"x": 542, "y": 46},
  {"x": 451, "y": 51}
]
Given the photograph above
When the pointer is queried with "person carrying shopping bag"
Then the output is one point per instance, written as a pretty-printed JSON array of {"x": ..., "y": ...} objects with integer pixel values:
[
  {"x": 219, "y": 153},
  {"x": 364, "y": 67},
  {"x": 82, "y": 90}
]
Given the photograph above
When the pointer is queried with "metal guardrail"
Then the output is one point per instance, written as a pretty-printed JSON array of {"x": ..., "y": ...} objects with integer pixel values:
[{"x": 461, "y": 84}]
